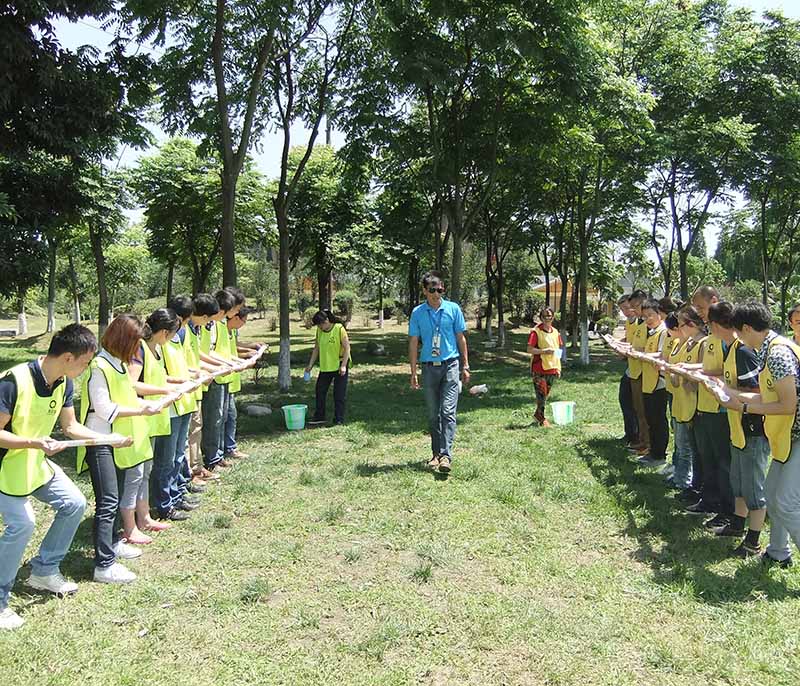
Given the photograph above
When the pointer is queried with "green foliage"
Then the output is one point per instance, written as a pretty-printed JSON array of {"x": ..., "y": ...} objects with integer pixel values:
[
  {"x": 701, "y": 272},
  {"x": 344, "y": 303}
]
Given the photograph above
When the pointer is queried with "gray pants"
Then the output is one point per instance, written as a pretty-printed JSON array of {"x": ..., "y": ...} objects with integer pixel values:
[
  {"x": 440, "y": 384},
  {"x": 783, "y": 504},
  {"x": 136, "y": 485}
]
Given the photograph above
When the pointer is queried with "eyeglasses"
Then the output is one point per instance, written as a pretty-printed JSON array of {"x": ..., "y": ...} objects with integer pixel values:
[{"x": 436, "y": 290}]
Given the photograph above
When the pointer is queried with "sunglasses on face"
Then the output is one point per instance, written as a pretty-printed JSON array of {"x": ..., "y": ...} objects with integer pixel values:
[{"x": 436, "y": 290}]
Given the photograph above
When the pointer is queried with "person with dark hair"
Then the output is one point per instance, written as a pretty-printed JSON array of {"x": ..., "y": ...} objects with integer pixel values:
[
  {"x": 776, "y": 401},
  {"x": 654, "y": 390},
  {"x": 637, "y": 337},
  {"x": 794, "y": 322},
  {"x": 109, "y": 404},
  {"x": 332, "y": 348},
  {"x": 439, "y": 325},
  {"x": 712, "y": 431},
  {"x": 234, "y": 324},
  {"x": 629, "y": 418},
  {"x": 214, "y": 343},
  {"x": 33, "y": 396},
  {"x": 545, "y": 347},
  {"x": 749, "y": 446}
]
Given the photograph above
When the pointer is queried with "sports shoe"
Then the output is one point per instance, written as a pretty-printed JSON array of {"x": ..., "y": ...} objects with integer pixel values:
[
  {"x": 115, "y": 574},
  {"x": 444, "y": 464},
  {"x": 717, "y": 521},
  {"x": 687, "y": 496},
  {"x": 746, "y": 550},
  {"x": 54, "y": 583},
  {"x": 173, "y": 515},
  {"x": 699, "y": 508},
  {"x": 651, "y": 462},
  {"x": 433, "y": 463},
  {"x": 767, "y": 560},
  {"x": 126, "y": 552},
  {"x": 10, "y": 619},
  {"x": 186, "y": 506},
  {"x": 192, "y": 487},
  {"x": 191, "y": 499},
  {"x": 730, "y": 530}
]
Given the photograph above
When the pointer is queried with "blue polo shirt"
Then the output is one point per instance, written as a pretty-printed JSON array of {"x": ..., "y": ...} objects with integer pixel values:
[{"x": 450, "y": 320}]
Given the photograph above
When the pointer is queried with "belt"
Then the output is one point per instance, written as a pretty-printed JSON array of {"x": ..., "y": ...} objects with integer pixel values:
[{"x": 439, "y": 363}]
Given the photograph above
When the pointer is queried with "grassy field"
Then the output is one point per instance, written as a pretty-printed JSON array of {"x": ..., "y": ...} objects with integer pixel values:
[{"x": 333, "y": 557}]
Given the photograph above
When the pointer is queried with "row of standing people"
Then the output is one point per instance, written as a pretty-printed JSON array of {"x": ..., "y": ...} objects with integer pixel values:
[
  {"x": 164, "y": 452},
  {"x": 723, "y": 442}
]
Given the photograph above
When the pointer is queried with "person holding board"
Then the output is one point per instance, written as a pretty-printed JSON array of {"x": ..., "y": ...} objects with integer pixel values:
[
  {"x": 33, "y": 396},
  {"x": 545, "y": 346}
]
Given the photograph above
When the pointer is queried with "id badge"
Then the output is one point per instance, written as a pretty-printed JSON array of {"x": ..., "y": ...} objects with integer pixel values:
[{"x": 435, "y": 345}]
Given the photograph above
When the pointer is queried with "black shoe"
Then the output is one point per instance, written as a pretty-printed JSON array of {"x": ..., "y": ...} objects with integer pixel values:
[
  {"x": 186, "y": 507},
  {"x": 191, "y": 499},
  {"x": 195, "y": 488},
  {"x": 314, "y": 421},
  {"x": 688, "y": 496},
  {"x": 699, "y": 508},
  {"x": 173, "y": 515},
  {"x": 729, "y": 530},
  {"x": 718, "y": 521},
  {"x": 767, "y": 560},
  {"x": 746, "y": 550}
]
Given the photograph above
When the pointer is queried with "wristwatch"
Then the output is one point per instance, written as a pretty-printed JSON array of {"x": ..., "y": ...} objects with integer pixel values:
[{"x": 744, "y": 408}]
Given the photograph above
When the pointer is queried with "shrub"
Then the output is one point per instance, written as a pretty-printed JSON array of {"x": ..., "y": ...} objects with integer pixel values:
[
  {"x": 533, "y": 305},
  {"x": 303, "y": 303},
  {"x": 606, "y": 325},
  {"x": 344, "y": 302}
]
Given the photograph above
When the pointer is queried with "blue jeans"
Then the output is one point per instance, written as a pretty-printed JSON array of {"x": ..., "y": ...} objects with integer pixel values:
[
  {"x": 17, "y": 513},
  {"x": 440, "y": 385},
  {"x": 749, "y": 471},
  {"x": 168, "y": 455},
  {"x": 230, "y": 425},
  {"x": 214, "y": 413},
  {"x": 685, "y": 451}
]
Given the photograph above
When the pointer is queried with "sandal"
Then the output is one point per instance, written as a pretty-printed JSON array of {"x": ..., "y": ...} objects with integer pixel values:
[
  {"x": 433, "y": 463},
  {"x": 444, "y": 464}
]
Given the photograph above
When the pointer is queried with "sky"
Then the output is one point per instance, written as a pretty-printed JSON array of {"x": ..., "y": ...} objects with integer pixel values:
[{"x": 267, "y": 156}]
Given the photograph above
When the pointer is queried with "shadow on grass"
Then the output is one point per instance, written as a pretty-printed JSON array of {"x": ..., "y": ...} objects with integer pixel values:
[
  {"x": 368, "y": 470},
  {"x": 684, "y": 560}
]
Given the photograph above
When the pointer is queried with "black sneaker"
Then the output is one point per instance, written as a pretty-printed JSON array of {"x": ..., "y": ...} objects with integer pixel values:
[
  {"x": 767, "y": 560},
  {"x": 186, "y": 507},
  {"x": 195, "y": 488},
  {"x": 717, "y": 521},
  {"x": 173, "y": 515},
  {"x": 687, "y": 496},
  {"x": 729, "y": 530},
  {"x": 699, "y": 508},
  {"x": 191, "y": 499},
  {"x": 746, "y": 550}
]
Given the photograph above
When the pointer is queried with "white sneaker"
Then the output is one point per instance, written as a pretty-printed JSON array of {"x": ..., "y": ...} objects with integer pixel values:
[
  {"x": 115, "y": 574},
  {"x": 124, "y": 551},
  {"x": 10, "y": 619},
  {"x": 55, "y": 583}
]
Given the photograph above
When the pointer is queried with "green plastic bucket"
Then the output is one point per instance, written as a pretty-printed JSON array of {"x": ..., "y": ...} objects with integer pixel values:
[
  {"x": 563, "y": 412},
  {"x": 295, "y": 416}
]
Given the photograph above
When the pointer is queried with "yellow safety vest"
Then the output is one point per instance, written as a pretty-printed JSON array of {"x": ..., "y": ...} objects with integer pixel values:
[
  {"x": 23, "y": 470},
  {"x": 676, "y": 348},
  {"x": 651, "y": 373},
  {"x": 191, "y": 347},
  {"x": 638, "y": 338},
  {"x": 713, "y": 358},
  {"x": 223, "y": 349},
  {"x": 778, "y": 427},
  {"x": 236, "y": 378},
  {"x": 731, "y": 376},
  {"x": 155, "y": 374},
  {"x": 122, "y": 392},
  {"x": 549, "y": 339},
  {"x": 175, "y": 362},
  {"x": 684, "y": 401}
]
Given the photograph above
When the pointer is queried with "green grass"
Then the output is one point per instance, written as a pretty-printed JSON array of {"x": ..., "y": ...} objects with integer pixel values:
[{"x": 332, "y": 556}]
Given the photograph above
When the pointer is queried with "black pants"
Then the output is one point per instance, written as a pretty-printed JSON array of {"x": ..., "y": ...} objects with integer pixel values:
[
  {"x": 107, "y": 483},
  {"x": 339, "y": 391},
  {"x": 655, "y": 407},
  {"x": 712, "y": 433},
  {"x": 628, "y": 411}
]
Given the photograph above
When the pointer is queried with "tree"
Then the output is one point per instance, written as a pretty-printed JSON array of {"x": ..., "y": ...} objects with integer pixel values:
[{"x": 23, "y": 260}]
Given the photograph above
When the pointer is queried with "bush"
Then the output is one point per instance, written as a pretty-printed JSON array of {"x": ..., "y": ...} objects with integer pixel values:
[
  {"x": 303, "y": 303},
  {"x": 606, "y": 325},
  {"x": 533, "y": 305},
  {"x": 344, "y": 302}
]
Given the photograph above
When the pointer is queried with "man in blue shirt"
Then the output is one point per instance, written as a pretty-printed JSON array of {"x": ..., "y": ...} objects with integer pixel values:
[{"x": 440, "y": 325}]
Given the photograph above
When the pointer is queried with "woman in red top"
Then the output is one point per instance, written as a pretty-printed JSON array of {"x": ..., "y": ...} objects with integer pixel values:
[{"x": 545, "y": 345}]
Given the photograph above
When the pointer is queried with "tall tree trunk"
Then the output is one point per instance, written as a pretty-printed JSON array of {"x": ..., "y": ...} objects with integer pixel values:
[
  {"x": 73, "y": 280},
  {"x": 284, "y": 352},
  {"x": 229, "y": 178},
  {"x": 764, "y": 253},
  {"x": 583, "y": 284},
  {"x": 574, "y": 311},
  {"x": 501, "y": 325},
  {"x": 562, "y": 301},
  {"x": 547, "y": 287},
  {"x": 22, "y": 318},
  {"x": 96, "y": 241},
  {"x": 489, "y": 274},
  {"x": 380, "y": 302},
  {"x": 457, "y": 232},
  {"x": 323, "y": 278},
  {"x": 684, "y": 277},
  {"x": 170, "y": 279},
  {"x": 52, "y": 245}
]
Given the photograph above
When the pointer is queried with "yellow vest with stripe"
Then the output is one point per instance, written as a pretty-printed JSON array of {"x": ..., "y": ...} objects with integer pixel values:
[
  {"x": 731, "y": 375},
  {"x": 223, "y": 349},
  {"x": 651, "y": 373},
  {"x": 236, "y": 378},
  {"x": 673, "y": 357},
  {"x": 122, "y": 393},
  {"x": 638, "y": 338},
  {"x": 155, "y": 374},
  {"x": 713, "y": 358},
  {"x": 778, "y": 427},
  {"x": 684, "y": 401},
  {"x": 175, "y": 362},
  {"x": 23, "y": 470},
  {"x": 191, "y": 348},
  {"x": 548, "y": 339}
]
